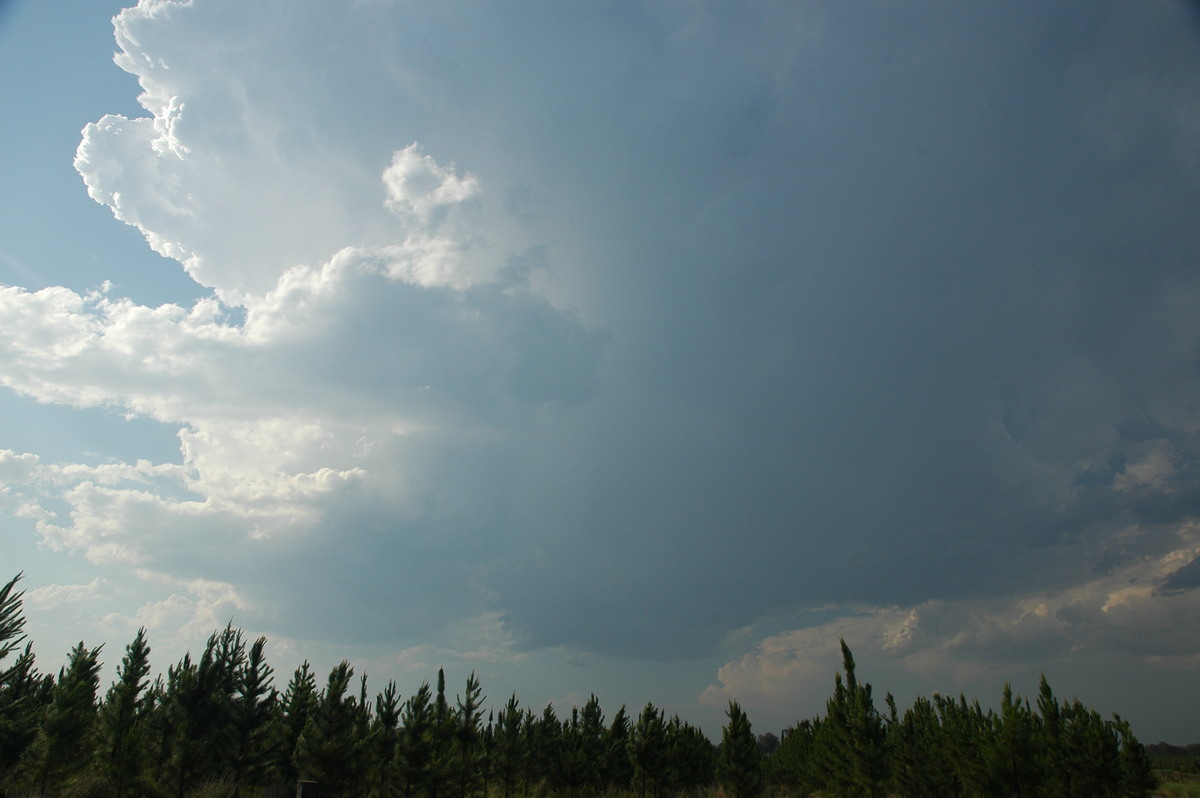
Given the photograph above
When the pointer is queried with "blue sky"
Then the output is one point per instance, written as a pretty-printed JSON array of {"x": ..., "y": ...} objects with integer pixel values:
[{"x": 643, "y": 349}]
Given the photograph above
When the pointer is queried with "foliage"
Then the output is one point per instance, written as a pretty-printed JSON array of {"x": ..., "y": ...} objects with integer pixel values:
[
  {"x": 215, "y": 727},
  {"x": 122, "y": 742},
  {"x": 739, "y": 768}
]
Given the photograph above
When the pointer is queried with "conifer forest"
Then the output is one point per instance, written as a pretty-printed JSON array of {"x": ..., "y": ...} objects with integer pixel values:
[{"x": 223, "y": 723}]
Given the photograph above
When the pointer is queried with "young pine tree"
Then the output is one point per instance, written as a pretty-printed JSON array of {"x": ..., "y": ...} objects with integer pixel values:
[
  {"x": 291, "y": 716},
  {"x": 252, "y": 714},
  {"x": 468, "y": 754},
  {"x": 792, "y": 766},
  {"x": 196, "y": 714},
  {"x": 24, "y": 693},
  {"x": 330, "y": 748},
  {"x": 1014, "y": 764},
  {"x": 739, "y": 768},
  {"x": 123, "y": 745},
  {"x": 592, "y": 742},
  {"x": 12, "y": 621},
  {"x": 648, "y": 751},
  {"x": 385, "y": 743},
  {"x": 918, "y": 755},
  {"x": 1137, "y": 772},
  {"x": 691, "y": 758},
  {"x": 508, "y": 748},
  {"x": 67, "y": 740},
  {"x": 417, "y": 748},
  {"x": 853, "y": 737},
  {"x": 617, "y": 768}
]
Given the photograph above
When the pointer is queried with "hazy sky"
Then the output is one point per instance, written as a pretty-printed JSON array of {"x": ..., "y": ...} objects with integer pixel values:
[{"x": 641, "y": 349}]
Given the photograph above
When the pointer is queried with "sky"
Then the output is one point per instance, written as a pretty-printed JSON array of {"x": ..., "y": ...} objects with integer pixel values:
[{"x": 636, "y": 349}]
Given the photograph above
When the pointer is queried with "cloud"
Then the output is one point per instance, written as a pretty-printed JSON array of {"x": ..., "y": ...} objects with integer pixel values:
[
  {"x": 17, "y": 468},
  {"x": 730, "y": 316},
  {"x": 49, "y": 597},
  {"x": 416, "y": 184},
  {"x": 971, "y": 645},
  {"x": 341, "y": 364}
]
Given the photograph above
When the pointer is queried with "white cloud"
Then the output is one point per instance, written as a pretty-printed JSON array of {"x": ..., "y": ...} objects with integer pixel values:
[
  {"x": 192, "y": 611},
  {"x": 49, "y": 597},
  {"x": 17, "y": 468},
  {"x": 357, "y": 332},
  {"x": 416, "y": 184}
]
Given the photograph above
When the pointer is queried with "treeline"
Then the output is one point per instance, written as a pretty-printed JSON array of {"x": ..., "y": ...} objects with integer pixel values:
[
  {"x": 216, "y": 725},
  {"x": 944, "y": 747}
]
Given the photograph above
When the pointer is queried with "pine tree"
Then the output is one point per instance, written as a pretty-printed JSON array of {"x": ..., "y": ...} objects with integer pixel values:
[
  {"x": 918, "y": 754},
  {"x": 691, "y": 758},
  {"x": 617, "y": 769},
  {"x": 508, "y": 749},
  {"x": 364, "y": 742},
  {"x": 739, "y": 768},
  {"x": 25, "y": 695},
  {"x": 543, "y": 740},
  {"x": 469, "y": 760},
  {"x": 569, "y": 773},
  {"x": 67, "y": 739},
  {"x": 253, "y": 710},
  {"x": 1137, "y": 772},
  {"x": 1014, "y": 756},
  {"x": 417, "y": 747},
  {"x": 386, "y": 743},
  {"x": 23, "y": 692},
  {"x": 122, "y": 720},
  {"x": 157, "y": 733},
  {"x": 329, "y": 751},
  {"x": 1051, "y": 742},
  {"x": 292, "y": 714},
  {"x": 852, "y": 738},
  {"x": 196, "y": 713},
  {"x": 967, "y": 737},
  {"x": 592, "y": 745},
  {"x": 12, "y": 621},
  {"x": 438, "y": 778},
  {"x": 792, "y": 766},
  {"x": 648, "y": 751}
]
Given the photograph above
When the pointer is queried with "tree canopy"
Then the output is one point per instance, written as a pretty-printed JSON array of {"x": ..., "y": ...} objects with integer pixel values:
[{"x": 218, "y": 725}]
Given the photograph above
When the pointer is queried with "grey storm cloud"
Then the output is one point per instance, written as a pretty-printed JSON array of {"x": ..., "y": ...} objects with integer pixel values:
[
  {"x": 932, "y": 276},
  {"x": 663, "y": 320}
]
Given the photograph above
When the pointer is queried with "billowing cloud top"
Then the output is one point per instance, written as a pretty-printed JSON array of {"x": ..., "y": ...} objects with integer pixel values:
[{"x": 627, "y": 328}]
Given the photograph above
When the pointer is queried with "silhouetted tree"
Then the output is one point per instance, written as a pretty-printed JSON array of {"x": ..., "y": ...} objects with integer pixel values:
[
  {"x": 648, "y": 751},
  {"x": 292, "y": 713},
  {"x": 253, "y": 710},
  {"x": 852, "y": 737},
  {"x": 385, "y": 742},
  {"x": 66, "y": 742},
  {"x": 508, "y": 749},
  {"x": 739, "y": 768},
  {"x": 25, "y": 695},
  {"x": 469, "y": 760},
  {"x": 123, "y": 743},
  {"x": 417, "y": 747},
  {"x": 691, "y": 758},
  {"x": 330, "y": 750},
  {"x": 617, "y": 768}
]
